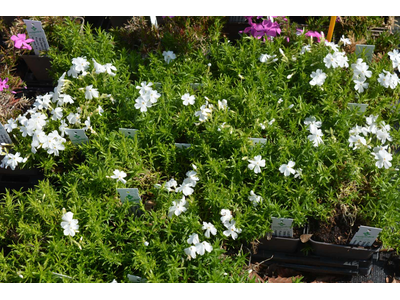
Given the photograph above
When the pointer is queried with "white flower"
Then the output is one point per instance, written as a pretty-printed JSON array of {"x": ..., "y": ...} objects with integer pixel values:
[
  {"x": 186, "y": 187},
  {"x": 171, "y": 184},
  {"x": 356, "y": 130},
  {"x": 144, "y": 87},
  {"x": 11, "y": 124},
  {"x": 168, "y": 56},
  {"x": 332, "y": 45},
  {"x": 91, "y": 92},
  {"x": 73, "y": 118},
  {"x": 202, "y": 247},
  {"x": 256, "y": 164},
  {"x": 360, "y": 85},
  {"x": 377, "y": 149},
  {"x": 231, "y": 230},
  {"x": 357, "y": 141},
  {"x": 191, "y": 251},
  {"x": 69, "y": 224},
  {"x": 119, "y": 175},
  {"x": 371, "y": 121},
  {"x": 177, "y": 207},
  {"x": 299, "y": 173},
  {"x": 287, "y": 169},
  {"x": 345, "y": 41},
  {"x": 100, "y": 110},
  {"x": 192, "y": 176},
  {"x": 222, "y": 104},
  {"x": 315, "y": 136},
  {"x": 146, "y": 243},
  {"x": 79, "y": 65},
  {"x": 57, "y": 113},
  {"x": 318, "y": 77},
  {"x": 193, "y": 239},
  {"x": 226, "y": 215},
  {"x": 312, "y": 122},
  {"x": 290, "y": 106},
  {"x": 255, "y": 199},
  {"x": 330, "y": 61},
  {"x": 280, "y": 101},
  {"x": 383, "y": 159},
  {"x": 12, "y": 160},
  {"x": 209, "y": 228},
  {"x": 383, "y": 135},
  {"x": 267, "y": 58},
  {"x": 271, "y": 122},
  {"x": 62, "y": 127},
  {"x": 109, "y": 68},
  {"x": 98, "y": 67},
  {"x": 142, "y": 104},
  {"x": 188, "y": 99},
  {"x": 395, "y": 58},
  {"x": 305, "y": 49},
  {"x": 360, "y": 70},
  {"x": 204, "y": 113}
]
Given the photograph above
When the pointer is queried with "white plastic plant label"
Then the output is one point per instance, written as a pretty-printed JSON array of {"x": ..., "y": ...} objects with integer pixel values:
[
  {"x": 360, "y": 106},
  {"x": 136, "y": 279},
  {"x": 282, "y": 227},
  {"x": 369, "y": 51},
  {"x": 77, "y": 136},
  {"x": 196, "y": 86},
  {"x": 130, "y": 195},
  {"x": 182, "y": 145},
  {"x": 4, "y": 137},
  {"x": 365, "y": 236},
  {"x": 129, "y": 133},
  {"x": 36, "y": 32},
  {"x": 255, "y": 141}
]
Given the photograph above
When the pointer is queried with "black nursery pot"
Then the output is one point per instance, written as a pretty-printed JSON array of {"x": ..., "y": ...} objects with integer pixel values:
[
  {"x": 343, "y": 251},
  {"x": 279, "y": 244},
  {"x": 39, "y": 66}
]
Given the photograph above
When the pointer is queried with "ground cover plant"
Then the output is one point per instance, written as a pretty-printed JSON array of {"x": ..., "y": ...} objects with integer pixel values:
[{"x": 200, "y": 205}]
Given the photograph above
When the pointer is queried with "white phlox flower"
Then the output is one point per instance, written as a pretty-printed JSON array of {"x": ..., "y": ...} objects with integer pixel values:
[
  {"x": 318, "y": 77},
  {"x": 255, "y": 199},
  {"x": 177, "y": 207},
  {"x": 91, "y": 92},
  {"x": 168, "y": 56},
  {"x": 357, "y": 141},
  {"x": 256, "y": 164},
  {"x": 209, "y": 228},
  {"x": 265, "y": 58},
  {"x": 287, "y": 169},
  {"x": 315, "y": 136},
  {"x": 119, "y": 175},
  {"x": 188, "y": 99},
  {"x": 12, "y": 160},
  {"x": 383, "y": 159}
]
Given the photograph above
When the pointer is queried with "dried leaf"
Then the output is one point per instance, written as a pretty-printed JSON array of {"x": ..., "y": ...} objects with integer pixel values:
[{"x": 304, "y": 238}]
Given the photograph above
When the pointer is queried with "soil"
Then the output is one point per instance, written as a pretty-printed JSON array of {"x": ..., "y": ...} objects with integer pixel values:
[{"x": 339, "y": 230}]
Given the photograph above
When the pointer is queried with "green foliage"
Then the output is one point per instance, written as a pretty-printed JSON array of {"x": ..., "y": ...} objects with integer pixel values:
[{"x": 111, "y": 240}]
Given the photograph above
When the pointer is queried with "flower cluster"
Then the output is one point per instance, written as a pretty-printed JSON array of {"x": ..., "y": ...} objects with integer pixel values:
[
  {"x": 205, "y": 112},
  {"x": 229, "y": 223},
  {"x": 267, "y": 28},
  {"x": 395, "y": 58},
  {"x": 360, "y": 75},
  {"x": 107, "y": 68},
  {"x": 318, "y": 77},
  {"x": 147, "y": 97},
  {"x": 381, "y": 131},
  {"x": 386, "y": 79},
  {"x": 198, "y": 247},
  {"x": 177, "y": 207},
  {"x": 12, "y": 160},
  {"x": 316, "y": 133},
  {"x": 79, "y": 65}
]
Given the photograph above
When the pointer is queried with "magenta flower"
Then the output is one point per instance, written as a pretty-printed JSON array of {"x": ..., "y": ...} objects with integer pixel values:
[
  {"x": 21, "y": 41},
  {"x": 3, "y": 84},
  {"x": 314, "y": 34},
  {"x": 259, "y": 30}
]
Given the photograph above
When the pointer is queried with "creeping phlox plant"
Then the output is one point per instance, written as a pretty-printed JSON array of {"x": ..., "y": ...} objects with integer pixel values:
[{"x": 268, "y": 133}]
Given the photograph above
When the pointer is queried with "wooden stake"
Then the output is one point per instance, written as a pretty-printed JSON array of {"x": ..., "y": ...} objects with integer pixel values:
[{"x": 331, "y": 27}]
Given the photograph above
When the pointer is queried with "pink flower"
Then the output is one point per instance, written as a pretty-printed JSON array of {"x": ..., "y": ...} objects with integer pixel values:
[
  {"x": 314, "y": 34},
  {"x": 3, "y": 84},
  {"x": 21, "y": 41}
]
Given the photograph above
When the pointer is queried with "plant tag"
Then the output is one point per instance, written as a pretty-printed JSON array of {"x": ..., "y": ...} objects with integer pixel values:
[
  {"x": 130, "y": 133},
  {"x": 361, "y": 107},
  {"x": 369, "y": 51},
  {"x": 131, "y": 195},
  {"x": 36, "y": 32},
  {"x": 195, "y": 86},
  {"x": 77, "y": 136},
  {"x": 282, "y": 227},
  {"x": 257, "y": 141},
  {"x": 4, "y": 136},
  {"x": 136, "y": 279},
  {"x": 182, "y": 145},
  {"x": 365, "y": 236}
]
